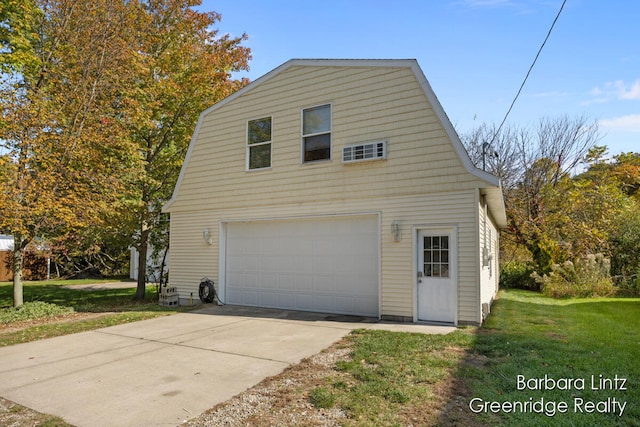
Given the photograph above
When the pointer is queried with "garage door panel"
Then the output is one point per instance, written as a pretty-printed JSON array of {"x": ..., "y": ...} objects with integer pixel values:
[
  {"x": 303, "y": 283},
  {"x": 268, "y": 264},
  {"x": 251, "y": 263},
  {"x": 303, "y": 263},
  {"x": 285, "y": 299},
  {"x": 268, "y": 281},
  {"x": 322, "y": 265},
  {"x": 328, "y": 265},
  {"x": 285, "y": 282},
  {"x": 344, "y": 305},
  {"x": 268, "y": 299},
  {"x": 251, "y": 297},
  {"x": 362, "y": 304},
  {"x": 304, "y": 302},
  {"x": 235, "y": 263},
  {"x": 324, "y": 285}
]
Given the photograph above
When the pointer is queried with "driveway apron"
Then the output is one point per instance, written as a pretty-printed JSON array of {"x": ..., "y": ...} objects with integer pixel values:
[{"x": 163, "y": 371}]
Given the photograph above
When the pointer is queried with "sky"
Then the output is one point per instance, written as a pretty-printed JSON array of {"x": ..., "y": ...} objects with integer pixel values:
[{"x": 474, "y": 53}]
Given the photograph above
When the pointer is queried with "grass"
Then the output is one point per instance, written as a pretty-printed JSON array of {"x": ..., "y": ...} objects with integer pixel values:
[
  {"x": 392, "y": 378},
  {"x": 55, "y": 300},
  {"x": 575, "y": 340},
  {"x": 400, "y": 378}
]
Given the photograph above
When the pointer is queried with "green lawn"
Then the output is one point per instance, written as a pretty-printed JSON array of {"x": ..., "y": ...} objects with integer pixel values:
[
  {"x": 52, "y": 299},
  {"x": 400, "y": 379},
  {"x": 588, "y": 347}
]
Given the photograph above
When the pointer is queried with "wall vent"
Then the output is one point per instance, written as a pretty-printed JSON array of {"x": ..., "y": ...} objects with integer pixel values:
[{"x": 367, "y": 151}]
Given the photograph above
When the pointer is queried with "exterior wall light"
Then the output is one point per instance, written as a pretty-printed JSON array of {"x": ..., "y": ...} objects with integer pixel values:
[
  {"x": 395, "y": 230},
  {"x": 207, "y": 237}
]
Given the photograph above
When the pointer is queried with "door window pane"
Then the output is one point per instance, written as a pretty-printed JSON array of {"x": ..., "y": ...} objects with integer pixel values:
[
  {"x": 436, "y": 256},
  {"x": 444, "y": 270}
]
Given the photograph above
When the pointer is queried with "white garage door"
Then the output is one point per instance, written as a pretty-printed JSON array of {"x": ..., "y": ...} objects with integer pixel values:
[{"x": 323, "y": 264}]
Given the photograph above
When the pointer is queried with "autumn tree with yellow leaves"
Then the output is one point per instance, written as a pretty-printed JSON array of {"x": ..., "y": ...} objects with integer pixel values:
[
  {"x": 183, "y": 66},
  {"x": 98, "y": 100}
]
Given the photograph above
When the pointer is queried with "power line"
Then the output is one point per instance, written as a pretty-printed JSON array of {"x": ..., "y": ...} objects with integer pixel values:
[{"x": 528, "y": 72}]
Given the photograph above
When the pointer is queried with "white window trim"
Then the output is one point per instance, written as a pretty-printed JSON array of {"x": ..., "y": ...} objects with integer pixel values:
[
  {"x": 303, "y": 135},
  {"x": 248, "y": 146}
]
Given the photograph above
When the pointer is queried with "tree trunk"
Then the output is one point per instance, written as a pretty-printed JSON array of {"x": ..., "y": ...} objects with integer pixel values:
[
  {"x": 142, "y": 263},
  {"x": 163, "y": 265},
  {"x": 18, "y": 258}
]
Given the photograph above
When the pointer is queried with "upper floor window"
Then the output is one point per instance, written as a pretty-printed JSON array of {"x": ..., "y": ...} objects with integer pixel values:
[
  {"x": 259, "y": 143},
  {"x": 316, "y": 133}
]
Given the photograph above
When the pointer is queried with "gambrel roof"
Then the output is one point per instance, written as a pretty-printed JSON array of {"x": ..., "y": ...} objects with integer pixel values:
[{"x": 492, "y": 191}]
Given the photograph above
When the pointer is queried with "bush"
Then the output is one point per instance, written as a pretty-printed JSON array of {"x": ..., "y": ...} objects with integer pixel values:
[
  {"x": 32, "y": 311},
  {"x": 629, "y": 285},
  {"x": 517, "y": 275},
  {"x": 588, "y": 276},
  {"x": 625, "y": 248}
]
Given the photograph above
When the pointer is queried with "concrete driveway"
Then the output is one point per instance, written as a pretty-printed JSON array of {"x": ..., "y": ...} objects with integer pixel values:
[{"x": 163, "y": 371}]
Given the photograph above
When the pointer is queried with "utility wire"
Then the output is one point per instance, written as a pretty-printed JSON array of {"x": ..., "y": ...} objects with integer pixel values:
[{"x": 528, "y": 72}]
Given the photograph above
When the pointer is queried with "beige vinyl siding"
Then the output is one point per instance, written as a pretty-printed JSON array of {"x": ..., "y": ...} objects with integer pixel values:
[
  {"x": 488, "y": 236},
  {"x": 418, "y": 151},
  {"x": 422, "y": 183},
  {"x": 192, "y": 258}
]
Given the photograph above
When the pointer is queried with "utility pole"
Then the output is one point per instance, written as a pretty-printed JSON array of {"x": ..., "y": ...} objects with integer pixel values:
[
  {"x": 484, "y": 155},
  {"x": 486, "y": 145}
]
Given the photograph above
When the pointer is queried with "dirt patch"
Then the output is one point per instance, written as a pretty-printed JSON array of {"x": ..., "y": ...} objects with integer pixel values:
[
  {"x": 72, "y": 317},
  {"x": 102, "y": 286},
  {"x": 283, "y": 400},
  {"x": 14, "y": 415}
]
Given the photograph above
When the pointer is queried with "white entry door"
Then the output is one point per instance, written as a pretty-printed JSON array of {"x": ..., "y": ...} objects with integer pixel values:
[{"x": 437, "y": 282}]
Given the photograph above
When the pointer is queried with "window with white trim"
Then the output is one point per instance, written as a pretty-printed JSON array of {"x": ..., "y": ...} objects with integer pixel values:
[
  {"x": 259, "y": 143},
  {"x": 316, "y": 133}
]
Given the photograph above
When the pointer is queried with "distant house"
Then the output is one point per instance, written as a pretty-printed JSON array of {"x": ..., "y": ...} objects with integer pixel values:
[
  {"x": 337, "y": 186},
  {"x": 155, "y": 266},
  {"x": 36, "y": 261}
]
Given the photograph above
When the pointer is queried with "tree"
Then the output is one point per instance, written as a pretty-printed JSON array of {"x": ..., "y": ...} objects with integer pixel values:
[
  {"x": 617, "y": 179},
  {"x": 534, "y": 165},
  {"x": 63, "y": 62},
  {"x": 182, "y": 67},
  {"x": 559, "y": 216},
  {"x": 99, "y": 99},
  {"x": 497, "y": 151}
]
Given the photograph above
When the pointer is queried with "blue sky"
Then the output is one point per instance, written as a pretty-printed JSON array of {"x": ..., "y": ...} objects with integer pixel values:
[{"x": 475, "y": 53}]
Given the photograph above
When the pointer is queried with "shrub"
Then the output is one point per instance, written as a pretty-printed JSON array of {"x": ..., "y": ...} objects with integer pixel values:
[
  {"x": 32, "y": 311},
  {"x": 587, "y": 276},
  {"x": 625, "y": 248},
  {"x": 630, "y": 285},
  {"x": 518, "y": 276}
]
